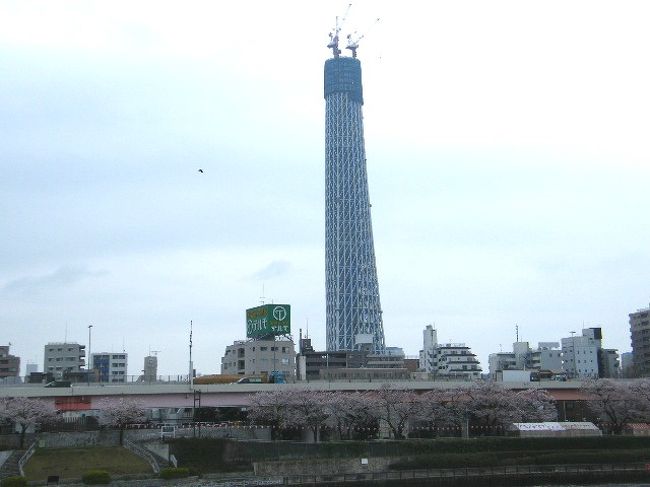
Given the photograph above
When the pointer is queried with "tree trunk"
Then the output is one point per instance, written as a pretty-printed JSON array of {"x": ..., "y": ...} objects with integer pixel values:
[{"x": 23, "y": 430}]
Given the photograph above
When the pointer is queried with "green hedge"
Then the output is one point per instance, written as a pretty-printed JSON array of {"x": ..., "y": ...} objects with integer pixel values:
[
  {"x": 96, "y": 477},
  {"x": 14, "y": 482},
  {"x": 174, "y": 473},
  {"x": 497, "y": 459}
]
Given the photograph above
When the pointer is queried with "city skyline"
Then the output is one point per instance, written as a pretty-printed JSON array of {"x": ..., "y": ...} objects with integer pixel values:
[{"x": 508, "y": 171}]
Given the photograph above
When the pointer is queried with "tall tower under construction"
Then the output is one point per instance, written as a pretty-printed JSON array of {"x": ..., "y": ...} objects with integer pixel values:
[{"x": 353, "y": 310}]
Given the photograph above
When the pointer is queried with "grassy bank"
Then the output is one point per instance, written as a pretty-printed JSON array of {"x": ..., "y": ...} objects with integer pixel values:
[{"x": 70, "y": 463}]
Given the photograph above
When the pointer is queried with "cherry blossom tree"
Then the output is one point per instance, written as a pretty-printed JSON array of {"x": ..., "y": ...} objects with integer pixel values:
[
  {"x": 119, "y": 413},
  {"x": 307, "y": 409},
  {"x": 348, "y": 412},
  {"x": 395, "y": 407},
  {"x": 270, "y": 409},
  {"x": 25, "y": 412},
  {"x": 640, "y": 389},
  {"x": 490, "y": 404},
  {"x": 536, "y": 405},
  {"x": 614, "y": 402},
  {"x": 443, "y": 407}
]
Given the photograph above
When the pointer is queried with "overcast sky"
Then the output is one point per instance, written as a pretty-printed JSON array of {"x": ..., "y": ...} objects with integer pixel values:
[{"x": 508, "y": 164}]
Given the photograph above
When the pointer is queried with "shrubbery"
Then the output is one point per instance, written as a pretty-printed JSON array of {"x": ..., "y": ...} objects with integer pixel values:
[
  {"x": 96, "y": 477},
  {"x": 174, "y": 473},
  {"x": 14, "y": 482},
  {"x": 524, "y": 457}
]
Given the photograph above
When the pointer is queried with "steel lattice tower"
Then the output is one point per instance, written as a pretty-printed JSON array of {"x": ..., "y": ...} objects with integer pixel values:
[{"x": 352, "y": 290}]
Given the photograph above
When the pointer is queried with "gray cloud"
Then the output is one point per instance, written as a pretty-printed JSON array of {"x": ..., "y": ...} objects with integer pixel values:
[
  {"x": 63, "y": 276},
  {"x": 276, "y": 268}
]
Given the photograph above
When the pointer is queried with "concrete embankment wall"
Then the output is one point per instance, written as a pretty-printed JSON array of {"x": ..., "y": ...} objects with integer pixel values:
[{"x": 323, "y": 466}]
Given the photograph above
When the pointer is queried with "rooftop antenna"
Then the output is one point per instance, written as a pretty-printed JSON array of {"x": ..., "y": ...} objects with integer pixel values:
[
  {"x": 334, "y": 34},
  {"x": 307, "y": 332},
  {"x": 262, "y": 297},
  {"x": 517, "y": 332},
  {"x": 355, "y": 38}
]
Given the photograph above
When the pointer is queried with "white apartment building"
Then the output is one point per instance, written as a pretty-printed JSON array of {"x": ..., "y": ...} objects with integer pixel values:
[
  {"x": 257, "y": 357},
  {"x": 581, "y": 353},
  {"x": 584, "y": 356},
  {"x": 110, "y": 367},
  {"x": 449, "y": 360},
  {"x": 59, "y": 358}
]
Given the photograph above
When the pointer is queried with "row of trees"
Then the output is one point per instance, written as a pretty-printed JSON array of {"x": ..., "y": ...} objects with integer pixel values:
[
  {"x": 25, "y": 412},
  {"x": 611, "y": 403},
  {"x": 486, "y": 404},
  {"x": 616, "y": 403}
]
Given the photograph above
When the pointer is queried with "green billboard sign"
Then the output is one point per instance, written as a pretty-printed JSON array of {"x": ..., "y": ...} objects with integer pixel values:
[{"x": 268, "y": 320}]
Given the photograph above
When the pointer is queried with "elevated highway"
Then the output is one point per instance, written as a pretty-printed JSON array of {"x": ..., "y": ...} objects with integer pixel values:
[{"x": 180, "y": 395}]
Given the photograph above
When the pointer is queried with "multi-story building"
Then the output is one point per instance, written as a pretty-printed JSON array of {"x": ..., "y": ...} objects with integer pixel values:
[
  {"x": 30, "y": 368},
  {"x": 547, "y": 356},
  {"x": 332, "y": 365},
  {"x": 640, "y": 334},
  {"x": 584, "y": 356},
  {"x": 627, "y": 365},
  {"x": 353, "y": 309},
  {"x": 455, "y": 360},
  {"x": 260, "y": 357},
  {"x": 9, "y": 364},
  {"x": 62, "y": 358},
  {"x": 150, "y": 371},
  {"x": 349, "y": 365},
  {"x": 448, "y": 360},
  {"x": 429, "y": 342},
  {"x": 608, "y": 363},
  {"x": 110, "y": 367}
]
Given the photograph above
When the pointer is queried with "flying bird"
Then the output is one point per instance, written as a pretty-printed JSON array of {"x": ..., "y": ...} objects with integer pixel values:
[{"x": 201, "y": 171}]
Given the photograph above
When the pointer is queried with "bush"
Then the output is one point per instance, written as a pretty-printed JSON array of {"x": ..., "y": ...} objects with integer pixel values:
[
  {"x": 174, "y": 473},
  {"x": 96, "y": 477},
  {"x": 14, "y": 482}
]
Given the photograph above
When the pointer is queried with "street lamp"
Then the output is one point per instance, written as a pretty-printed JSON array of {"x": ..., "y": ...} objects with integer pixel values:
[{"x": 90, "y": 327}]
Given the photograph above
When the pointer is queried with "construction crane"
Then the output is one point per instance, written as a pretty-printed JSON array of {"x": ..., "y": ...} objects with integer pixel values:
[
  {"x": 334, "y": 35},
  {"x": 355, "y": 38}
]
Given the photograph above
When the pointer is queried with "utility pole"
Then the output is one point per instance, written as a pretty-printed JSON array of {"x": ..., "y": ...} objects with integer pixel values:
[
  {"x": 191, "y": 378},
  {"x": 90, "y": 327}
]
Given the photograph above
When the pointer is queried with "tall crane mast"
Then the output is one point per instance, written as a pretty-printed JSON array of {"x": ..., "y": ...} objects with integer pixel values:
[{"x": 334, "y": 34}]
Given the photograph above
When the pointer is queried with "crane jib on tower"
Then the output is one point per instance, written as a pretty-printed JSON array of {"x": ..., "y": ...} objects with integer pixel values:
[{"x": 353, "y": 39}]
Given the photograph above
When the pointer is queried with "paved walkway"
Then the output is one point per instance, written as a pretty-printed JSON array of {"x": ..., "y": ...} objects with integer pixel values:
[{"x": 4, "y": 455}]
